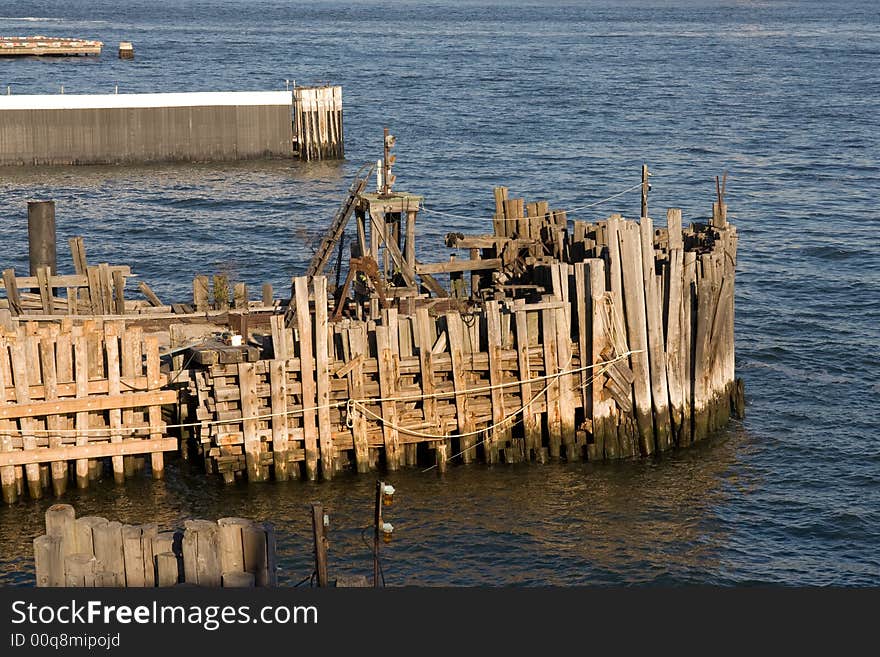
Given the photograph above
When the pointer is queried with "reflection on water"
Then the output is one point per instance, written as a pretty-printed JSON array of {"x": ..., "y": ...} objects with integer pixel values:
[{"x": 525, "y": 525}]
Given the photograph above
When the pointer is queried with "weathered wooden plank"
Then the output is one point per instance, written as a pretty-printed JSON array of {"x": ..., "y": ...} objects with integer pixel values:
[
  {"x": 455, "y": 333},
  {"x": 247, "y": 380},
  {"x": 280, "y": 420},
  {"x": 427, "y": 383},
  {"x": 322, "y": 373},
  {"x": 531, "y": 425},
  {"x": 656, "y": 344},
  {"x": 564, "y": 357},
  {"x": 147, "y": 291},
  {"x": 552, "y": 383},
  {"x": 388, "y": 389},
  {"x": 53, "y": 422},
  {"x": 455, "y": 266},
  {"x": 86, "y": 403},
  {"x": 111, "y": 342},
  {"x": 357, "y": 341},
  {"x": 200, "y": 293},
  {"x": 674, "y": 320},
  {"x": 309, "y": 392},
  {"x": 636, "y": 326},
  {"x": 499, "y": 435},
  {"x": 92, "y": 450},
  {"x": 12, "y": 294},
  {"x": 154, "y": 410}
]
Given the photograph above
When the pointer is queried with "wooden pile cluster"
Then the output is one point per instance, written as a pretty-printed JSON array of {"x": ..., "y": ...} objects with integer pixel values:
[
  {"x": 451, "y": 383},
  {"x": 213, "y": 293},
  {"x": 94, "y": 552},
  {"x": 78, "y": 393},
  {"x": 666, "y": 295},
  {"x": 318, "y": 122},
  {"x": 615, "y": 341}
]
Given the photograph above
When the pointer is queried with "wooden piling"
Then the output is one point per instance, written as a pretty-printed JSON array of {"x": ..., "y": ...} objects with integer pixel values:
[
  {"x": 656, "y": 343},
  {"x": 322, "y": 374},
  {"x": 41, "y": 236},
  {"x": 309, "y": 392},
  {"x": 636, "y": 326}
]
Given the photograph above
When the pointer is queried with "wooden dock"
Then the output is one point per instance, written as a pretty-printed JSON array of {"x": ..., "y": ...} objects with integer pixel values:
[
  {"x": 552, "y": 338},
  {"x": 34, "y": 46}
]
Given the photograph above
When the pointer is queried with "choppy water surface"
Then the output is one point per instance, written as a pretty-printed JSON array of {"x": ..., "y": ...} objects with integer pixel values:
[{"x": 556, "y": 100}]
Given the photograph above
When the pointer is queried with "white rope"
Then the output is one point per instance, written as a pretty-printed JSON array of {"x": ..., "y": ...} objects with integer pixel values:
[{"x": 424, "y": 208}]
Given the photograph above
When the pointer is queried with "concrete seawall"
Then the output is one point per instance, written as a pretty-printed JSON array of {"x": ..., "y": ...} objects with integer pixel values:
[{"x": 127, "y": 128}]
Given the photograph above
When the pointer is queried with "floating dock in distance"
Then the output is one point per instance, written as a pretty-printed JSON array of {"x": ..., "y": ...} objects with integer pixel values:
[
  {"x": 32, "y": 46},
  {"x": 64, "y": 129}
]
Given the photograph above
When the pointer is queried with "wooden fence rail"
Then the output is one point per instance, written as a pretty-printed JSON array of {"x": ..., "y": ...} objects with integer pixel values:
[{"x": 78, "y": 394}]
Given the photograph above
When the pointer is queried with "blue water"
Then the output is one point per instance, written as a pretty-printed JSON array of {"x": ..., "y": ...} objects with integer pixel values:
[{"x": 558, "y": 101}]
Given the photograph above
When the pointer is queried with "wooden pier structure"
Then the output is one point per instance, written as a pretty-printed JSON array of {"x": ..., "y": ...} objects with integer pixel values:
[
  {"x": 553, "y": 338},
  {"x": 36, "y": 46}
]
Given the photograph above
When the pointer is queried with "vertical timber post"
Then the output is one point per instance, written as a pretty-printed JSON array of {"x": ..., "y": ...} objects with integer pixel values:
[{"x": 41, "y": 235}]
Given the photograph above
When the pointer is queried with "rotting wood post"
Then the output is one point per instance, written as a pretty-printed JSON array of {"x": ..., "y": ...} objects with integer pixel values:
[
  {"x": 674, "y": 322},
  {"x": 200, "y": 293},
  {"x": 322, "y": 372},
  {"x": 552, "y": 382},
  {"x": 636, "y": 326},
  {"x": 388, "y": 373},
  {"x": 531, "y": 426},
  {"x": 497, "y": 437},
  {"x": 359, "y": 348},
  {"x": 455, "y": 335},
  {"x": 320, "y": 541},
  {"x": 41, "y": 236},
  {"x": 48, "y": 561},
  {"x": 309, "y": 393},
  {"x": 410, "y": 245},
  {"x": 646, "y": 187},
  {"x": 656, "y": 345},
  {"x": 280, "y": 419},
  {"x": 247, "y": 381},
  {"x": 111, "y": 344},
  {"x": 231, "y": 545},
  {"x": 167, "y": 573},
  {"x": 108, "y": 550},
  {"x": 154, "y": 413},
  {"x": 81, "y": 373}
]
